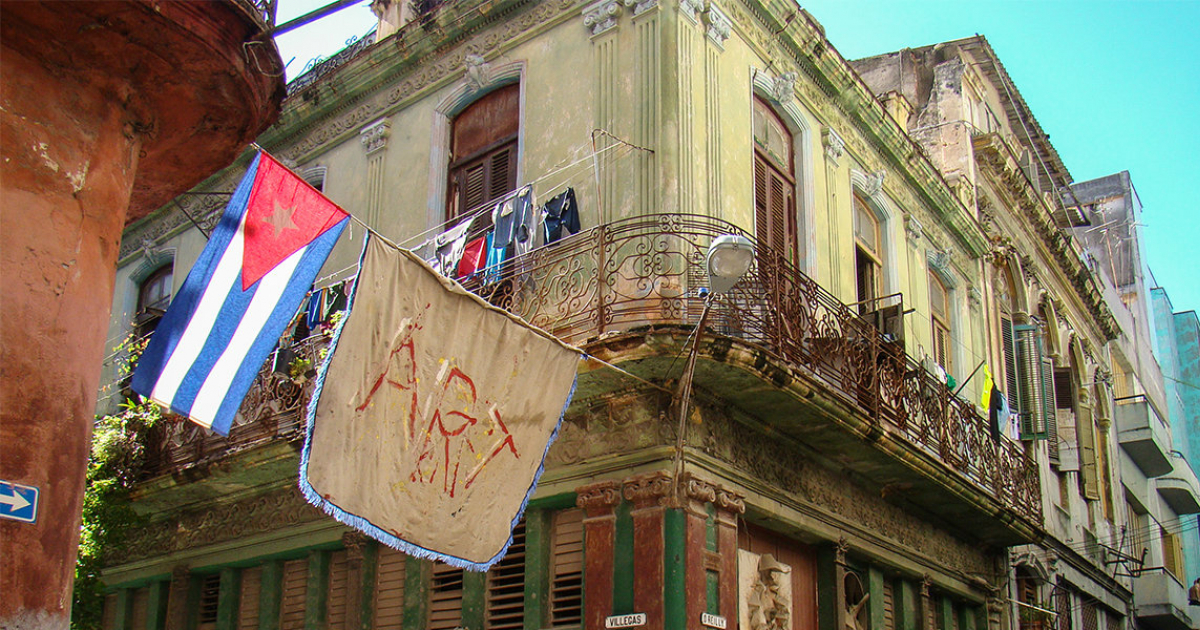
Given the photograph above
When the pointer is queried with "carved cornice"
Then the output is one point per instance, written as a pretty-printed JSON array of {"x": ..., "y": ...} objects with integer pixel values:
[
  {"x": 213, "y": 524},
  {"x": 649, "y": 490},
  {"x": 598, "y": 499}
]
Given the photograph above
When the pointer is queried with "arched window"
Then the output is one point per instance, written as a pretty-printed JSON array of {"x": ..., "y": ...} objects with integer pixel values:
[
  {"x": 483, "y": 151},
  {"x": 774, "y": 186},
  {"x": 939, "y": 309},
  {"x": 1005, "y": 301},
  {"x": 154, "y": 294}
]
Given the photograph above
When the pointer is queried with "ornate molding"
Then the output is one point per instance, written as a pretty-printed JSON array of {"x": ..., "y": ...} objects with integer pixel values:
[
  {"x": 699, "y": 490},
  {"x": 840, "y": 549},
  {"x": 649, "y": 490},
  {"x": 692, "y": 9},
  {"x": 354, "y": 542},
  {"x": 941, "y": 261},
  {"x": 213, "y": 524},
  {"x": 913, "y": 229},
  {"x": 374, "y": 136},
  {"x": 728, "y": 501},
  {"x": 783, "y": 88},
  {"x": 835, "y": 145},
  {"x": 874, "y": 184},
  {"x": 641, "y": 6},
  {"x": 598, "y": 499},
  {"x": 477, "y": 73},
  {"x": 601, "y": 17},
  {"x": 974, "y": 297},
  {"x": 719, "y": 25}
]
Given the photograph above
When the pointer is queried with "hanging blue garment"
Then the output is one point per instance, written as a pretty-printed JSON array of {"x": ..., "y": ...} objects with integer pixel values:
[
  {"x": 495, "y": 258},
  {"x": 561, "y": 214}
]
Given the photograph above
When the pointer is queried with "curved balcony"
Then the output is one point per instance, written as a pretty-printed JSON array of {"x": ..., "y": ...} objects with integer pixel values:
[
  {"x": 1180, "y": 488},
  {"x": 866, "y": 399}
]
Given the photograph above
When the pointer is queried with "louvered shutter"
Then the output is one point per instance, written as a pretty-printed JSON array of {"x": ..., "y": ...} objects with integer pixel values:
[
  {"x": 1031, "y": 386},
  {"x": 1089, "y": 476},
  {"x": 566, "y": 577},
  {"x": 1064, "y": 415},
  {"x": 445, "y": 597},
  {"x": 249, "y": 603},
  {"x": 1048, "y": 409},
  {"x": 336, "y": 601},
  {"x": 762, "y": 201},
  {"x": 294, "y": 590},
  {"x": 889, "y": 606},
  {"x": 506, "y": 587},
  {"x": 389, "y": 589},
  {"x": 1011, "y": 391},
  {"x": 774, "y": 203},
  {"x": 210, "y": 592},
  {"x": 137, "y": 614}
]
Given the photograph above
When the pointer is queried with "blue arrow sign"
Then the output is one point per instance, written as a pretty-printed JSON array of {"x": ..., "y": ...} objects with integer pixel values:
[{"x": 18, "y": 502}]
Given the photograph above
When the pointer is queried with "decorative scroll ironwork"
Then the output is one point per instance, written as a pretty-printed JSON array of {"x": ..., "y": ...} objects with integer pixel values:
[{"x": 648, "y": 270}]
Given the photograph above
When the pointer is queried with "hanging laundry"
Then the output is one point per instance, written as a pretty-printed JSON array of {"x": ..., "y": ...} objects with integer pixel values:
[
  {"x": 474, "y": 256},
  {"x": 450, "y": 245},
  {"x": 525, "y": 223},
  {"x": 561, "y": 213},
  {"x": 495, "y": 258},
  {"x": 336, "y": 300},
  {"x": 312, "y": 310}
]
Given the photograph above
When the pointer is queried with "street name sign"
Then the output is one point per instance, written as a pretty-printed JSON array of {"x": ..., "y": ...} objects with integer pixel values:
[
  {"x": 18, "y": 502},
  {"x": 712, "y": 621},
  {"x": 625, "y": 621}
]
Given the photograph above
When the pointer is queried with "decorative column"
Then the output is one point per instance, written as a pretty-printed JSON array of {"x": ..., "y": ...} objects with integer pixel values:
[
  {"x": 729, "y": 507},
  {"x": 649, "y": 494},
  {"x": 598, "y": 500},
  {"x": 361, "y": 554},
  {"x": 374, "y": 140},
  {"x": 717, "y": 29},
  {"x": 177, "y": 598},
  {"x": 600, "y": 18},
  {"x": 699, "y": 558},
  {"x": 835, "y": 147}
]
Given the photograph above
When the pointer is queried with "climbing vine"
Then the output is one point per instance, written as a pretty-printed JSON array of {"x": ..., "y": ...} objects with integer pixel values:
[{"x": 115, "y": 464}]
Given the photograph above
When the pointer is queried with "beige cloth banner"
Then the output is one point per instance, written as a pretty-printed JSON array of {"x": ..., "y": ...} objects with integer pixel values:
[{"x": 433, "y": 415}]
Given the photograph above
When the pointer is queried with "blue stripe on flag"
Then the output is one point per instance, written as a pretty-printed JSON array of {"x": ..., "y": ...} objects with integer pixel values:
[
  {"x": 310, "y": 264},
  {"x": 171, "y": 328}
]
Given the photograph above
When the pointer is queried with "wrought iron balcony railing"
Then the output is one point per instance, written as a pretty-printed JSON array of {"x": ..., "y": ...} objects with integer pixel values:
[{"x": 646, "y": 271}]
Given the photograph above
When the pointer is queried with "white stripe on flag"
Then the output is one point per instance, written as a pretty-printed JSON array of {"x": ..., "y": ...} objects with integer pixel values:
[
  {"x": 191, "y": 342},
  {"x": 212, "y": 393}
]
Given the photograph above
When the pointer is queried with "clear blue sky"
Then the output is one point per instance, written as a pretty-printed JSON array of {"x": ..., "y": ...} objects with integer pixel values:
[{"x": 1116, "y": 84}]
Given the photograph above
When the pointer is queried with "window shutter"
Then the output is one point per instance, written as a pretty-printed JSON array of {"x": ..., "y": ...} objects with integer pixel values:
[
  {"x": 506, "y": 587},
  {"x": 251, "y": 592},
  {"x": 566, "y": 581},
  {"x": 445, "y": 597},
  {"x": 210, "y": 592},
  {"x": 389, "y": 588},
  {"x": 108, "y": 620},
  {"x": 774, "y": 205},
  {"x": 295, "y": 588},
  {"x": 1031, "y": 386},
  {"x": 336, "y": 601},
  {"x": 1049, "y": 412},
  {"x": 1010, "y": 363},
  {"x": 1064, "y": 403},
  {"x": 889, "y": 606},
  {"x": 141, "y": 602},
  {"x": 762, "y": 205},
  {"x": 502, "y": 172},
  {"x": 1089, "y": 476}
]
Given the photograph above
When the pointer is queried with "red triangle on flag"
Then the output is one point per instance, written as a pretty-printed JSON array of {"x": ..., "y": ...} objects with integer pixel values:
[{"x": 283, "y": 214}]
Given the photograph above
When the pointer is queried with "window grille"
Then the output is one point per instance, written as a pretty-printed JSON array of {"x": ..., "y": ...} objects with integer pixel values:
[{"x": 210, "y": 592}]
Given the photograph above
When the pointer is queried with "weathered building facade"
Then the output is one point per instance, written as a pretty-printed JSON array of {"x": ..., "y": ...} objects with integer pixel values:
[{"x": 832, "y": 467}]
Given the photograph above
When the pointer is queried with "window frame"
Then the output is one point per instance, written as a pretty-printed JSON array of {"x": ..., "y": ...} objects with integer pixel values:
[
  {"x": 507, "y": 99},
  {"x": 765, "y": 228},
  {"x": 940, "y": 323}
]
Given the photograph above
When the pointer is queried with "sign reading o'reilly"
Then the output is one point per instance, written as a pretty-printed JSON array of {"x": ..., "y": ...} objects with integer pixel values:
[{"x": 625, "y": 621}]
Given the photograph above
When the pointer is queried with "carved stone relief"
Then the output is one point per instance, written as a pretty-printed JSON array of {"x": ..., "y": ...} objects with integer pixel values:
[
  {"x": 375, "y": 135},
  {"x": 783, "y": 88},
  {"x": 764, "y": 591},
  {"x": 719, "y": 26},
  {"x": 217, "y": 523},
  {"x": 835, "y": 145}
]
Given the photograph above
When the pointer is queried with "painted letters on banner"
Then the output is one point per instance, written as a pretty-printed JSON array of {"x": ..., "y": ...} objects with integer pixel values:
[{"x": 433, "y": 414}]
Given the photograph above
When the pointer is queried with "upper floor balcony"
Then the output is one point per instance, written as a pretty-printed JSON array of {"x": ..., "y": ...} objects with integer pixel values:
[
  {"x": 1143, "y": 435},
  {"x": 777, "y": 346},
  {"x": 1180, "y": 488},
  {"x": 1161, "y": 601}
]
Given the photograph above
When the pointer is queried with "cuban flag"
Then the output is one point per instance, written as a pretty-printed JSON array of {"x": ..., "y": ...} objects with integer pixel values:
[{"x": 240, "y": 296}]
